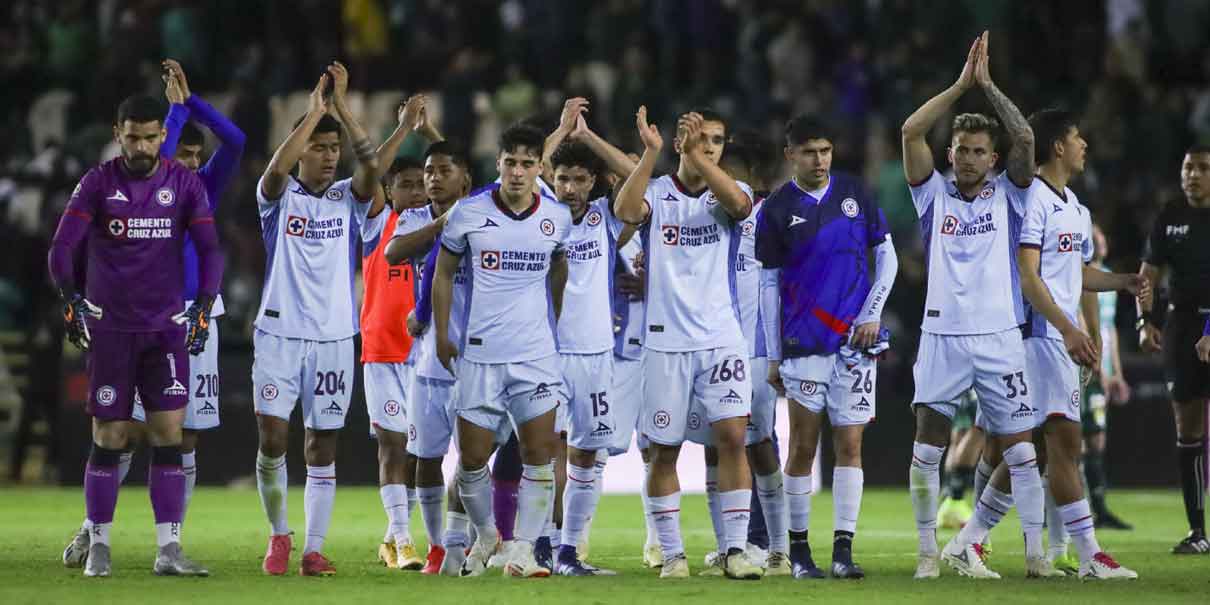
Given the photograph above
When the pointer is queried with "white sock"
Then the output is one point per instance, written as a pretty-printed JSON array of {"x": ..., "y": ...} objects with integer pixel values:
[
  {"x": 1054, "y": 524},
  {"x": 475, "y": 491},
  {"x": 983, "y": 474},
  {"x": 1022, "y": 461},
  {"x": 736, "y": 511},
  {"x": 124, "y": 466},
  {"x": 652, "y": 534},
  {"x": 456, "y": 527},
  {"x": 189, "y": 467},
  {"x": 167, "y": 533},
  {"x": 665, "y": 513},
  {"x": 598, "y": 487},
  {"x": 318, "y": 498},
  {"x": 579, "y": 502},
  {"x": 535, "y": 500},
  {"x": 430, "y": 511},
  {"x": 413, "y": 500},
  {"x": 716, "y": 511},
  {"x": 798, "y": 500},
  {"x": 271, "y": 481},
  {"x": 989, "y": 510},
  {"x": 100, "y": 533},
  {"x": 848, "y": 483},
  {"x": 395, "y": 503},
  {"x": 1077, "y": 518},
  {"x": 924, "y": 483},
  {"x": 770, "y": 490}
]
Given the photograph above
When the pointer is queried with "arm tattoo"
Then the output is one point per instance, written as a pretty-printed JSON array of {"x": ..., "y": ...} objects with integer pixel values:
[{"x": 1020, "y": 162}]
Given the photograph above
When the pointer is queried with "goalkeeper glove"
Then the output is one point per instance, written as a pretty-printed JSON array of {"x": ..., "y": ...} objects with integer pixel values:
[
  {"x": 196, "y": 320},
  {"x": 75, "y": 308}
]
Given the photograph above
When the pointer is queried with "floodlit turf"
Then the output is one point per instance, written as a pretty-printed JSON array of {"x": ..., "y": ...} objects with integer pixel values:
[{"x": 226, "y": 530}]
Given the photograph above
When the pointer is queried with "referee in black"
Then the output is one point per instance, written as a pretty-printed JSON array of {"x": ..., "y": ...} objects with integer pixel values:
[{"x": 1180, "y": 244}]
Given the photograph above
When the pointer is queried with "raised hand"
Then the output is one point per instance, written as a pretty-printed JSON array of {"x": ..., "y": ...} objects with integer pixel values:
[
  {"x": 581, "y": 128},
  {"x": 172, "y": 88},
  {"x": 648, "y": 133},
  {"x": 573, "y": 110},
  {"x": 967, "y": 78},
  {"x": 410, "y": 112},
  {"x": 982, "y": 75},
  {"x": 316, "y": 103},
  {"x": 689, "y": 132},
  {"x": 174, "y": 69},
  {"x": 340, "y": 81}
]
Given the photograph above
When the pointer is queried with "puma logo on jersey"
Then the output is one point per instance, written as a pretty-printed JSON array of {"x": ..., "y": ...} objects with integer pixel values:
[{"x": 118, "y": 196}]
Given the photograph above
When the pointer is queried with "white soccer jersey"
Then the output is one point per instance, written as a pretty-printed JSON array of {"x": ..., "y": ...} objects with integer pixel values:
[
  {"x": 586, "y": 324},
  {"x": 691, "y": 252},
  {"x": 970, "y": 251},
  {"x": 629, "y": 312},
  {"x": 510, "y": 317},
  {"x": 427, "y": 363},
  {"x": 1061, "y": 228},
  {"x": 747, "y": 284},
  {"x": 411, "y": 220},
  {"x": 311, "y": 252}
]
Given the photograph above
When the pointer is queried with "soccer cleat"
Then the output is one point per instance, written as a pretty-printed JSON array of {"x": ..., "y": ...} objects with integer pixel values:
[
  {"x": 967, "y": 561},
  {"x": 928, "y": 566},
  {"x": 1102, "y": 567},
  {"x": 1194, "y": 544},
  {"x": 408, "y": 559},
  {"x": 500, "y": 557},
  {"x": 387, "y": 555},
  {"x": 953, "y": 514},
  {"x": 1041, "y": 567},
  {"x": 778, "y": 564},
  {"x": 713, "y": 563},
  {"x": 523, "y": 564},
  {"x": 757, "y": 555},
  {"x": 569, "y": 564},
  {"x": 315, "y": 564},
  {"x": 171, "y": 561},
  {"x": 676, "y": 567},
  {"x": 76, "y": 552},
  {"x": 481, "y": 552},
  {"x": 802, "y": 566},
  {"x": 544, "y": 553},
  {"x": 653, "y": 557},
  {"x": 277, "y": 557},
  {"x": 737, "y": 566},
  {"x": 1067, "y": 565},
  {"x": 1110, "y": 521},
  {"x": 97, "y": 563},
  {"x": 453, "y": 561},
  {"x": 432, "y": 565}
]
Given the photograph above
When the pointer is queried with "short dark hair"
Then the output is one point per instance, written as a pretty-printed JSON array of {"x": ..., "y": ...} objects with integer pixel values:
[
  {"x": 575, "y": 153},
  {"x": 803, "y": 128},
  {"x": 522, "y": 135},
  {"x": 1197, "y": 148},
  {"x": 1050, "y": 126},
  {"x": 140, "y": 109},
  {"x": 191, "y": 135},
  {"x": 453, "y": 149},
  {"x": 326, "y": 123},
  {"x": 403, "y": 163},
  {"x": 710, "y": 115},
  {"x": 977, "y": 122}
]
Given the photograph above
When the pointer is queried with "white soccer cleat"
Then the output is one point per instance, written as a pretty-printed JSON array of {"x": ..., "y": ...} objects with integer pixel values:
[
  {"x": 1102, "y": 567},
  {"x": 500, "y": 558},
  {"x": 928, "y": 566},
  {"x": 778, "y": 564},
  {"x": 966, "y": 561},
  {"x": 481, "y": 552},
  {"x": 675, "y": 568},
  {"x": 1042, "y": 567},
  {"x": 451, "y": 564},
  {"x": 738, "y": 567},
  {"x": 714, "y": 564},
  {"x": 757, "y": 555},
  {"x": 653, "y": 556},
  {"x": 522, "y": 564},
  {"x": 76, "y": 552}
]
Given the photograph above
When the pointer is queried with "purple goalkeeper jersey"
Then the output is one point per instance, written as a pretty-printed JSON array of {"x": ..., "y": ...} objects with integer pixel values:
[{"x": 136, "y": 233}]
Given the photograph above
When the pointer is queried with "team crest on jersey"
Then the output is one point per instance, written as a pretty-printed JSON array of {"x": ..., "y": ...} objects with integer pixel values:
[
  {"x": 695, "y": 421},
  {"x": 296, "y": 225},
  {"x": 489, "y": 260},
  {"x": 391, "y": 408},
  {"x": 987, "y": 192},
  {"x": 334, "y": 194},
  {"x": 411, "y": 432},
  {"x": 268, "y": 392},
  {"x": 849, "y": 207},
  {"x": 747, "y": 228},
  {"x": 808, "y": 387},
  {"x": 593, "y": 218},
  {"x": 117, "y": 227},
  {"x": 711, "y": 199},
  {"x": 164, "y": 197},
  {"x": 671, "y": 234},
  {"x": 949, "y": 224},
  {"x": 1075, "y": 400},
  {"x": 661, "y": 419},
  {"x": 106, "y": 395},
  {"x": 547, "y": 226}
]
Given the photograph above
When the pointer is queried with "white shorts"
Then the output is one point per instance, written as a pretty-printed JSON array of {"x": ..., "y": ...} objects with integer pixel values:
[
  {"x": 489, "y": 395},
  {"x": 626, "y": 401},
  {"x": 686, "y": 392},
  {"x": 764, "y": 403},
  {"x": 591, "y": 405},
  {"x": 827, "y": 383},
  {"x": 201, "y": 413},
  {"x": 386, "y": 386},
  {"x": 431, "y": 417},
  {"x": 1055, "y": 378},
  {"x": 946, "y": 366},
  {"x": 285, "y": 370}
]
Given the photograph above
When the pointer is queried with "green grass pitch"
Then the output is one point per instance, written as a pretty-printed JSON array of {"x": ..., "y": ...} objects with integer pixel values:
[{"x": 226, "y": 530}]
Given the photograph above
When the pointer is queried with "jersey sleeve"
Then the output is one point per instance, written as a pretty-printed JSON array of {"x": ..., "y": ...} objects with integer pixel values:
[
  {"x": 1156, "y": 252},
  {"x": 875, "y": 221},
  {"x": 1016, "y": 195},
  {"x": 457, "y": 227},
  {"x": 1088, "y": 248},
  {"x": 924, "y": 193},
  {"x": 411, "y": 220},
  {"x": 1033, "y": 225},
  {"x": 372, "y": 227},
  {"x": 612, "y": 223},
  {"x": 771, "y": 248},
  {"x": 197, "y": 204},
  {"x": 264, "y": 205}
]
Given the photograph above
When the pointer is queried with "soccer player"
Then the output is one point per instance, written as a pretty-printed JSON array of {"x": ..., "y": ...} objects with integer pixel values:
[
  {"x": 184, "y": 142},
  {"x": 134, "y": 212},
  {"x": 303, "y": 343},
  {"x": 387, "y": 354},
  {"x": 972, "y": 312},
  {"x": 697, "y": 380},
  {"x": 1180, "y": 243},
  {"x": 1055, "y": 247},
  {"x": 823, "y": 321},
  {"x": 508, "y": 368},
  {"x": 960, "y": 465}
]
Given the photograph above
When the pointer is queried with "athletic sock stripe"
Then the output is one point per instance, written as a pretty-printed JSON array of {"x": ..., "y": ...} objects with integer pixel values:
[
  {"x": 920, "y": 462},
  {"x": 1030, "y": 461},
  {"x": 1081, "y": 519},
  {"x": 664, "y": 512},
  {"x": 996, "y": 510},
  {"x": 320, "y": 477},
  {"x": 537, "y": 480},
  {"x": 397, "y": 506},
  {"x": 737, "y": 510},
  {"x": 271, "y": 468},
  {"x": 570, "y": 478}
]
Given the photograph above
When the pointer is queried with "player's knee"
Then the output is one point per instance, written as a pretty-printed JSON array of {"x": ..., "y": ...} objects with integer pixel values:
[
  {"x": 711, "y": 455},
  {"x": 848, "y": 452},
  {"x": 664, "y": 457},
  {"x": 729, "y": 435},
  {"x": 188, "y": 441},
  {"x": 802, "y": 452},
  {"x": 763, "y": 458},
  {"x": 110, "y": 435},
  {"x": 932, "y": 427},
  {"x": 1190, "y": 419},
  {"x": 428, "y": 472},
  {"x": 581, "y": 458},
  {"x": 320, "y": 447}
]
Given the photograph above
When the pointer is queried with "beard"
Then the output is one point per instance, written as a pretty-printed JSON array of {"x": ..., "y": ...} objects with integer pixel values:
[{"x": 138, "y": 164}]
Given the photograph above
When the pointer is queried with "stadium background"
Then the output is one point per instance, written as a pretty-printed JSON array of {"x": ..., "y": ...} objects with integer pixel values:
[{"x": 1139, "y": 72}]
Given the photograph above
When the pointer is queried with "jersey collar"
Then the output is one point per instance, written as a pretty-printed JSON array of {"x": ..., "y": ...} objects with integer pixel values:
[
  {"x": 1060, "y": 194},
  {"x": 685, "y": 190},
  {"x": 303, "y": 186},
  {"x": 524, "y": 214}
]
